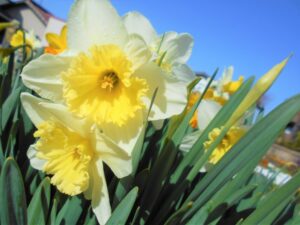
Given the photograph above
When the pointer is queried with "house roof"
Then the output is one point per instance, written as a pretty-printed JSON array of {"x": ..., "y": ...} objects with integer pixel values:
[{"x": 42, "y": 13}]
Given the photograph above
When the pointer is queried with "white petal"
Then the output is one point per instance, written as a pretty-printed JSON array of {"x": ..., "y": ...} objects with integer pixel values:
[
  {"x": 40, "y": 110},
  {"x": 137, "y": 51},
  {"x": 43, "y": 75},
  {"x": 61, "y": 113},
  {"x": 171, "y": 97},
  {"x": 117, "y": 159},
  {"x": 227, "y": 75},
  {"x": 127, "y": 135},
  {"x": 35, "y": 162},
  {"x": 178, "y": 47},
  {"x": 31, "y": 105},
  {"x": 183, "y": 73},
  {"x": 94, "y": 22},
  {"x": 136, "y": 23},
  {"x": 99, "y": 194},
  {"x": 189, "y": 140},
  {"x": 207, "y": 110},
  {"x": 202, "y": 84}
]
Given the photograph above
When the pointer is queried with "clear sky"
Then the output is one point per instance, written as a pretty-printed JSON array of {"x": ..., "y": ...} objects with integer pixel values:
[{"x": 251, "y": 35}]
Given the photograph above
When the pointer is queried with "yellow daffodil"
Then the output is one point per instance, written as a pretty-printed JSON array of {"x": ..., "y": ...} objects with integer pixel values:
[
  {"x": 31, "y": 40},
  {"x": 193, "y": 98},
  {"x": 233, "y": 135},
  {"x": 72, "y": 152},
  {"x": 106, "y": 75},
  {"x": 216, "y": 96},
  {"x": 57, "y": 43},
  {"x": 170, "y": 51},
  {"x": 226, "y": 84}
]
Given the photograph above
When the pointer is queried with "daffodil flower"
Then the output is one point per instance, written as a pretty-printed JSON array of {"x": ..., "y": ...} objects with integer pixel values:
[
  {"x": 233, "y": 136},
  {"x": 72, "y": 151},
  {"x": 170, "y": 51},
  {"x": 216, "y": 96},
  {"x": 106, "y": 75},
  {"x": 57, "y": 43},
  {"x": 30, "y": 40}
]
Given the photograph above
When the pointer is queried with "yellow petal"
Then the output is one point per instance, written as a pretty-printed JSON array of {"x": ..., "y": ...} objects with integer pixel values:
[
  {"x": 233, "y": 135},
  {"x": 68, "y": 157},
  {"x": 100, "y": 86},
  {"x": 261, "y": 86},
  {"x": 54, "y": 40}
]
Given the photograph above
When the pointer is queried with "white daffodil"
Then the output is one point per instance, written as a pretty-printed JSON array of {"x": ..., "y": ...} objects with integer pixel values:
[
  {"x": 106, "y": 75},
  {"x": 207, "y": 110},
  {"x": 72, "y": 152},
  {"x": 216, "y": 96},
  {"x": 170, "y": 51}
]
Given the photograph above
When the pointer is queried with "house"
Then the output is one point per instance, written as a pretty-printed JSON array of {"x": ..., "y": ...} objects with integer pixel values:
[{"x": 31, "y": 16}]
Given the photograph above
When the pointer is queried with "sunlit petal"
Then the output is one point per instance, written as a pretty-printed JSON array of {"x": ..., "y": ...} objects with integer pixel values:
[
  {"x": 43, "y": 75},
  {"x": 93, "y": 22}
]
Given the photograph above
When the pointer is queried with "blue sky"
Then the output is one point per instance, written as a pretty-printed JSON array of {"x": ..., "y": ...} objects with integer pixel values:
[{"x": 251, "y": 35}]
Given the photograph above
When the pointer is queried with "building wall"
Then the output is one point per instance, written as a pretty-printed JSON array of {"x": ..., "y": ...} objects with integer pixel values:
[{"x": 28, "y": 19}]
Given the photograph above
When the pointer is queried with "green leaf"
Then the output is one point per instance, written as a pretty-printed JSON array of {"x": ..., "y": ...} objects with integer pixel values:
[
  {"x": 254, "y": 144},
  {"x": 176, "y": 216},
  {"x": 12, "y": 195},
  {"x": 70, "y": 212},
  {"x": 220, "y": 119},
  {"x": 166, "y": 159},
  {"x": 295, "y": 220},
  {"x": 9, "y": 106},
  {"x": 39, "y": 205},
  {"x": 123, "y": 210},
  {"x": 52, "y": 218},
  {"x": 278, "y": 199}
]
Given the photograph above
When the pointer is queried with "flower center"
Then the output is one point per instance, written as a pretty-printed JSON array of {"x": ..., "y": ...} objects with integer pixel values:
[
  {"x": 109, "y": 81},
  {"x": 234, "y": 134},
  {"x": 100, "y": 85},
  {"x": 67, "y": 157}
]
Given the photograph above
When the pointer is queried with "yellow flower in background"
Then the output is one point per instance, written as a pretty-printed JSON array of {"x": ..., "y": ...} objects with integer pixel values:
[
  {"x": 193, "y": 98},
  {"x": 216, "y": 96},
  {"x": 57, "y": 43},
  {"x": 233, "y": 136},
  {"x": 232, "y": 86},
  {"x": 17, "y": 40},
  {"x": 72, "y": 152},
  {"x": 170, "y": 51}
]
